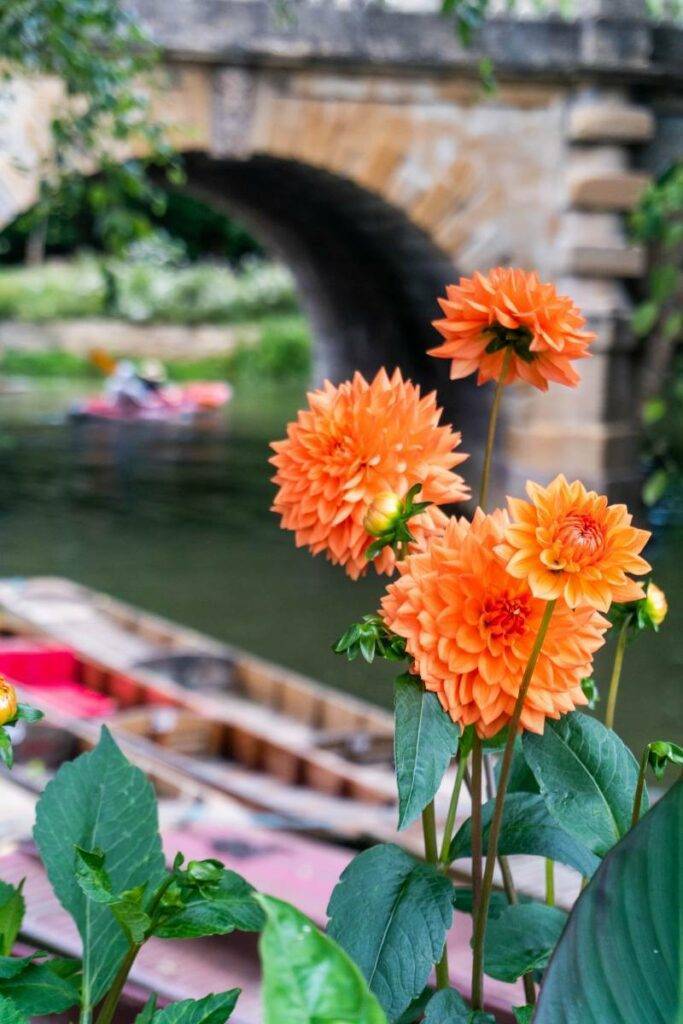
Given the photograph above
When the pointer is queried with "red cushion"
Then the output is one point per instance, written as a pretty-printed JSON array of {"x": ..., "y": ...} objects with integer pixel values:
[{"x": 36, "y": 664}]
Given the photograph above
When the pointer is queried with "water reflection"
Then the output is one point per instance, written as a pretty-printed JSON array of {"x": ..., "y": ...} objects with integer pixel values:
[{"x": 177, "y": 520}]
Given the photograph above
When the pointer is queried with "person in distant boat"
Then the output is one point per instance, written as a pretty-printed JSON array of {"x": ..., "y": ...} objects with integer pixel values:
[
  {"x": 126, "y": 387},
  {"x": 152, "y": 373}
]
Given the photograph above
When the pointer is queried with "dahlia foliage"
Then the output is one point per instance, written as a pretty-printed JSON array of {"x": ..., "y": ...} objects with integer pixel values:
[{"x": 498, "y": 615}]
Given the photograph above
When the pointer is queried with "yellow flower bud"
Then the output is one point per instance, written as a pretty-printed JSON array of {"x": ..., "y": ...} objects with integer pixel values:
[
  {"x": 8, "y": 702},
  {"x": 655, "y": 604},
  {"x": 383, "y": 513}
]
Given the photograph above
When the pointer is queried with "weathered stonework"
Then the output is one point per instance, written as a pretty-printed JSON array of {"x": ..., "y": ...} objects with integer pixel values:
[{"x": 358, "y": 143}]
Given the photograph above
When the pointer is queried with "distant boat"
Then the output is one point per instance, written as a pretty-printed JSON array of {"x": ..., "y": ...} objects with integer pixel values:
[{"x": 173, "y": 403}]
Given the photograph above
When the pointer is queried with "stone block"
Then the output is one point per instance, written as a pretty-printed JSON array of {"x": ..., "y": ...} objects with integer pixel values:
[
  {"x": 606, "y": 190},
  {"x": 607, "y": 122}
]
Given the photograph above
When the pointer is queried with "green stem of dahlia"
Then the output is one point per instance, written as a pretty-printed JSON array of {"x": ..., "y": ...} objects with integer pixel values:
[
  {"x": 497, "y": 819},
  {"x": 491, "y": 433},
  {"x": 549, "y": 882},
  {"x": 432, "y": 857},
  {"x": 616, "y": 673},
  {"x": 449, "y": 827}
]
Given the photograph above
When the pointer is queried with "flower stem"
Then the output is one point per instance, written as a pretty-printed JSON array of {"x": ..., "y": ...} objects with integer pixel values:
[
  {"x": 432, "y": 857},
  {"x": 640, "y": 786},
  {"x": 549, "y": 882},
  {"x": 497, "y": 819},
  {"x": 491, "y": 433},
  {"x": 449, "y": 826},
  {"x": 477, "y": 838},
  {"x": 110, "y": 1004},
  {"x": 616, "y": 673}
]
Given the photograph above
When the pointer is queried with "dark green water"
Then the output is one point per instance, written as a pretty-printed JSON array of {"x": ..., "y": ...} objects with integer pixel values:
[{"x": 178, "y": 522}]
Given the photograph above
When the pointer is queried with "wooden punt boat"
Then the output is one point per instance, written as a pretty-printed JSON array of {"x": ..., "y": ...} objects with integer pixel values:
[{"x": 203, "y": 717}]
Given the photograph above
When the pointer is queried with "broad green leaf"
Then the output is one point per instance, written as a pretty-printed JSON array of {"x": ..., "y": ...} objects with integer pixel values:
[
  {"x": 99, "y": 801},
  {"x": 425, "y": 740},
  {"x": 231, "y": 907},
  {"x": 447, "y": 1007},
  {"x": 11, "y": 966},
  {"x": 38, "y": 990},
  {"x": 587, "y": 778},
  {"x": 618, "y": 960},
  {"x": 527, "y": 828},
  {"x": 521, "y": 777},
  {"x": 415, "y": 1012},
  {"x": 210, "y": 1010},
  {"x": 521, "y": 939},
  {"x": 523, "y": 1014},
  {"x": 406, "y": 909},
  {"x": 12, "y": 909},
  {"x": 307, "y": 977},
  {"x": 10, "y": 1013}
]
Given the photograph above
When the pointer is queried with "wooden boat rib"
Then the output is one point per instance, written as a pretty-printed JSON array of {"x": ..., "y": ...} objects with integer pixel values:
[{"x": 202, "y": 716}]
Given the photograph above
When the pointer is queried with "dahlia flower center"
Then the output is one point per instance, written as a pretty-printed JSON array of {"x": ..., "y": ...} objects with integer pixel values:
[
  {"x": 505, "y": 616},
  {"x": 520, "y": 338},
  {"x": 579, "y": 538}
]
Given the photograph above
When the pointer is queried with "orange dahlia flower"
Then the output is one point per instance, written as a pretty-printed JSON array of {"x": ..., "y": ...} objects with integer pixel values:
[
  {"x": 469, "y": 627},
  {"x": 351, "y": 444},
  {"x": 568, "y": 542},
  {"x": 485, "y": 314}
]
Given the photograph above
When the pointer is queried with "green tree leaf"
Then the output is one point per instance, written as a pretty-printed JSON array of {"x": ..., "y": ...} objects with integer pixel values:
[
  {"x": 528, "y": 827},
  {"x": 307, "y": 977},
  {"x": 521, "y": 940},
  {"x": 425, "y": 741},
  {"x": 618, "y": 960},
  {"x": 10, "y": 1012},
  {"x": 148, "y": 1011},
  {"x": 210, "y": 1010},
  {"x": 406, "y": 909},
  {"x": 99, "y": 801},
  {"x": 230, "y": 907},
  {"x": 39, "y": 989},
  {"x": 587, "y": 778},
  {"x": 12, "y": 909}
]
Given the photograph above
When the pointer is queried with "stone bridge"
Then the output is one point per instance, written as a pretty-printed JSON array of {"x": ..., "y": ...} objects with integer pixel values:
[{"x": 358, "y": 144}]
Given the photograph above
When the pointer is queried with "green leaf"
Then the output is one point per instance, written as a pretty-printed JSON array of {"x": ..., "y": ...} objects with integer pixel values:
[
  {"x": 528, "y": 827},
  {"x": 99, "y": 801},
  {"x": 523, "y": 1014},
  {"x": 307, "y": 977},
  {"x": 655, "y": 487},
  {"x": 94, "y": 880},
  {"x": 231, "y": 907},
  {"x": 92, "y": 876},
  {"x": 406, "y": 909},
  {"x": 644, "y": 318},
  {"x": 447, "y": 1007},
  {"x": 210, "y": 1010},
  {"x": 12, "y": 909},
  {"x": 521, "y": 940},
  {"x": 148, "y": 1011},
  {"x": 618, "y": 961},
  {"x": 10, "y": 1013},
  {"x": 11, "y": 966},
  {"x": 463, "y": 900},
  {"x": 28, "y": 713},
  {"x": 38, "y": 990},
  {"x": 587, "y": 778},
  {"x": 521, "y": 777},
  {"x": 425, "y": 741},
  {"x": 6, "y": 752}
]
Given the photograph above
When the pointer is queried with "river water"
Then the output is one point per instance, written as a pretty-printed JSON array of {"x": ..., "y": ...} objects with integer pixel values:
[{"x": 177, "y": 521}]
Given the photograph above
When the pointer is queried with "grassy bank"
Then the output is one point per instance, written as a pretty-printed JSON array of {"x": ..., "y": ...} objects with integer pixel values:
[
  {"x": 201, "y": 293},
  {"x": 282, "y": 351}
]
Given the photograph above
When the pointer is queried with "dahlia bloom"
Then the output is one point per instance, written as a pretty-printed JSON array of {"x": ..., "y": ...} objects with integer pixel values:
[
  {"x": 469, "y": 627},
  {"x": 353, "y": 443},
  {"x": 568, "y": 542},
  {"x": 485, "y": 314}
]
